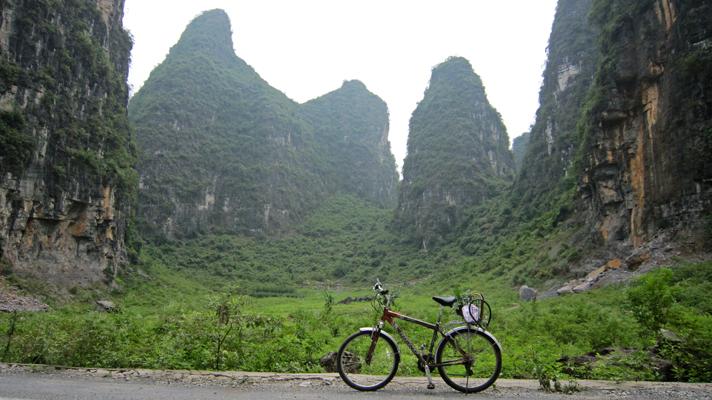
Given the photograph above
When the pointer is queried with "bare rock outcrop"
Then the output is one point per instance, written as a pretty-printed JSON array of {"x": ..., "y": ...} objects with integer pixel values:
[{"x": 66, "y": 162}]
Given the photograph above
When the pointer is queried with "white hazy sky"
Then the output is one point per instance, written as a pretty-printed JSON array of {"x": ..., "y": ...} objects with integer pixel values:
[{"x": 307, "y": 48}]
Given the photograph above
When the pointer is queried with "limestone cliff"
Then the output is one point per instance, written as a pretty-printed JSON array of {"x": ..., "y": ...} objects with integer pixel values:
[
  {"x": 647, "y": 149},
  {"x": 223, "y": 151},
  {"x": 554, "y": 139},
  {"x": 458, "y": 155},
  {"x": 66, "y": 160}
]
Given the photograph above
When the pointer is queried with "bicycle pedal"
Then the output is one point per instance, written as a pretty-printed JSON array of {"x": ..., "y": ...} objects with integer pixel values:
[{"x": 431, "y": 386}]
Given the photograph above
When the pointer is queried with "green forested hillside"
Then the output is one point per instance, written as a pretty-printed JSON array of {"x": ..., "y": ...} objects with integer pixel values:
[
  {"x": 458, "y": 155},
  {"x": 350, "y": 128},
  {"x": 208, "y": 128},
  {"x": 345, "y": 242},
  {"x": 221, "y": 151}
]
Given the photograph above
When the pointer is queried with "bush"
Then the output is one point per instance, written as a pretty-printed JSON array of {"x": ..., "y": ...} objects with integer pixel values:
[
  {"x": 679, "y": 301},
  {"x": 651, "y": 299},
  {"x": 692, "y": 357}
]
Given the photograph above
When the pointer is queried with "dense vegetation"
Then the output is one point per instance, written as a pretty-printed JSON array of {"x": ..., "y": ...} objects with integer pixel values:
[
  {"x": 173, "y": 321},
  {"x": 350, "y": 128},
  {"x": 346, "y": 242},
  {"x": 458, "y": 155},
  {"x": 224, "y": 152}
]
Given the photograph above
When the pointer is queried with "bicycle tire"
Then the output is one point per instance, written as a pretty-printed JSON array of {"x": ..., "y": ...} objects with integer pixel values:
[
  {"x": 483, "y": 355},
  {"x": 367, "y": 376}
]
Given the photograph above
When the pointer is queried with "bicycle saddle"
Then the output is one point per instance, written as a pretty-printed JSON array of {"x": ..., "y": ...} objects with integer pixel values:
[{"x": 446, "y": 301}]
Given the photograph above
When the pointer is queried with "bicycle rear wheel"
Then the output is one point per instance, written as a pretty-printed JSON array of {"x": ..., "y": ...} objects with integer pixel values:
[
  {"x": 469, "y": 360},
  {"x": 367, "y": 361}
]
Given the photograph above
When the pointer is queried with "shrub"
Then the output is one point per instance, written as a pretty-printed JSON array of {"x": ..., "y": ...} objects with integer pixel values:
[{"x": 651, "y": 299}]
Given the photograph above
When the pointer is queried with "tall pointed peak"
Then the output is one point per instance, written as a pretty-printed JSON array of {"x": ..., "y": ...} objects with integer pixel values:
[
  {"x": 454, "y": 70},
  {"x": 209, "y": 33}
]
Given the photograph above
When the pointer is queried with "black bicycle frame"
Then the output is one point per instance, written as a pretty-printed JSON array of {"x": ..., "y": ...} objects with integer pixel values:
[{"x": 390, "y": 317}]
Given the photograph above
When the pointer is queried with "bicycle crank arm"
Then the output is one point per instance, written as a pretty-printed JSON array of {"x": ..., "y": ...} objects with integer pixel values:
[{"x": 431, "y": 385}]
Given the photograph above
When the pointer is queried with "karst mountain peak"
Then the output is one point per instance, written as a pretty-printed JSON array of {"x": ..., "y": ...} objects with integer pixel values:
[
  {"x": 223, "y": 151},
  {"x": 210, "y": 33},
  {"x": 458, "y": 154}
]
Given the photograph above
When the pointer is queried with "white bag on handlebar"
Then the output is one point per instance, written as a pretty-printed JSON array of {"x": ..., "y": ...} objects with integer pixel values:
[{"x": 471, "y": 313}]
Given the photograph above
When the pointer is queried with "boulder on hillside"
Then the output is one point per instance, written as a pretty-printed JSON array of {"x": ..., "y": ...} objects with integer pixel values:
[
  {"x": 527, "y": 294},
  {"x": 106, "y": 306}
]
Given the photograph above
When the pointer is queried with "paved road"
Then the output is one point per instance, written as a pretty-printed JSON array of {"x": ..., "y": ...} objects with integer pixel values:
[{"x": 44, "y": 383}]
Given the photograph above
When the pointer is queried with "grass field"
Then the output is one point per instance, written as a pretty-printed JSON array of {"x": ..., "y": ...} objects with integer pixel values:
[{"x": 176, "y": 320}]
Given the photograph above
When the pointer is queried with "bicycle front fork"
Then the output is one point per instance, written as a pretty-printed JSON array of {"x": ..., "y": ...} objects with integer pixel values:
[{"x": 375, "y": 334}]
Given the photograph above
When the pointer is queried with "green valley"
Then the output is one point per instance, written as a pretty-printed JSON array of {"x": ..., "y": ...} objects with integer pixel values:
[
  {"x": 283, "y": 296},
  {"x": 213, "y": 223}
]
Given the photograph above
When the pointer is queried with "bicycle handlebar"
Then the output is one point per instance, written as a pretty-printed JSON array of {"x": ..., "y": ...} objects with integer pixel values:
[
  {"x": 382, "y": 294},
  {"x": 378, "y": 287}
]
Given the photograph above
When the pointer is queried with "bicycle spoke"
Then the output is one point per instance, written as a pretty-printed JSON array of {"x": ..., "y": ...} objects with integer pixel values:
[
  {"x": 468, "y": 361},
  {"x": 365, "y": 364}
]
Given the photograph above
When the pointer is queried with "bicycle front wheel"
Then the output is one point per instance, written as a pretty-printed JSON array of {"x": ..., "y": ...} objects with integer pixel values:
[
  {"x": 367, "y": 360},
  {"x": 469, "y": 360}
]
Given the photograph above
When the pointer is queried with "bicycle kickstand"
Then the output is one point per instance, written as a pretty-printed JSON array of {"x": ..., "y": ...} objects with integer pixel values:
[{"x": 431, "y": 385}]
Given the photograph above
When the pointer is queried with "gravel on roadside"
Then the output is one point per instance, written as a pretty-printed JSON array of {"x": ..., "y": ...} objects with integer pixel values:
[{"x": 399, "y": 387}]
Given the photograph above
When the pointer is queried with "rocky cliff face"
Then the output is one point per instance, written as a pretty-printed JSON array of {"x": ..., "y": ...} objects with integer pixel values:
[
  {"x": 222, "y": 151},
  {"x": 554, "y": 138},
  {"x": 647, "y": 150},
  {"x": 66, "y": 162},
  {"x": 458, "y": 154}
]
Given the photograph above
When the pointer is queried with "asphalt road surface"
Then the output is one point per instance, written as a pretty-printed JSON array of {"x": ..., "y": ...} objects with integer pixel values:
[{"x": 44, "y": 383}]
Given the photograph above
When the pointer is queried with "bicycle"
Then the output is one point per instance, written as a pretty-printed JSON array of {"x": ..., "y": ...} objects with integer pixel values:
[{"x": 468, "y": 358}]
